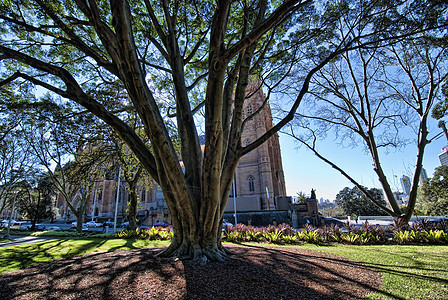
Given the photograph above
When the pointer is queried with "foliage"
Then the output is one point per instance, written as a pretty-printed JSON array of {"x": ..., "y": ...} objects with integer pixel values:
[
  {"x": 301, "y": 196},
  {"x": 440, "y": 109},
  {"x": 433, "y": 194},
  {"x": 35, "y": 203},
  {"x": 273, "y": 236},
  {"x": 355, "y": 203},
  {"x": 187, "y": 65},
  {"x": 150, "y": 234},
  {"x": 363, "y": 234}
]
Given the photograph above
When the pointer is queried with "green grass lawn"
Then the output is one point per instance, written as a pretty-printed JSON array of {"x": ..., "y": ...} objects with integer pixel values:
[
  {"x": 18, "y": 257},
  {"x": 410, "y": 272}
]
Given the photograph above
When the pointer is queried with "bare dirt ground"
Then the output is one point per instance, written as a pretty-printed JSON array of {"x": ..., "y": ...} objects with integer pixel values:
[{"x": 253, "y": 272}]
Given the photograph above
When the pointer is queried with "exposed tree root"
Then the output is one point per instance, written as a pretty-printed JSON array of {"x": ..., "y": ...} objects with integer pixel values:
[{"x": 195, "y": 253}]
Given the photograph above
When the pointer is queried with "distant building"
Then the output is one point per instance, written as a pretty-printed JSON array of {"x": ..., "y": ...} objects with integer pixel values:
[
  {"x": 423, "y": 176},
  {"x": 259, "y": 177},
  {"x": 443, "y": 157},
  {"x": 405, "y": 184},
  {"x": 401, "y": 198}
]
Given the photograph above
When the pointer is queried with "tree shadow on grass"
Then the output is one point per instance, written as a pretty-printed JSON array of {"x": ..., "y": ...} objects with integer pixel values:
[
  {"x": 252, "y": 272},
  {"x": 266, "y": 272},
  {"x": 123, "y": 274}
]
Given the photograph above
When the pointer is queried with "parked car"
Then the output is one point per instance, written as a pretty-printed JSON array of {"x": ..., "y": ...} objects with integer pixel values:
[
  {"x": 4, "y": 223},
  {"x": 75, "y": 223},
  {"x": 37, "y": 226},
  {"x": 125, "y": 225},
  {"x": 22, "y": 225},
  {"x": 92, "y": 224}
]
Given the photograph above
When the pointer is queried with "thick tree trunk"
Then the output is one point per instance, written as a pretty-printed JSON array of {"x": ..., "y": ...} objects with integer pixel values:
[
  {"x": 197, "y": 222},
  {"x": 78, "y": 222},
  {"x": 200, "y": 246},
  {"x": 132, "y": 209}
]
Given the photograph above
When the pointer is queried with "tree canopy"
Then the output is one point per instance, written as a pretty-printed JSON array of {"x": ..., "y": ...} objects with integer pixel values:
[
  {"x": 184, "y": 67},
  {"x": 354, "y": 202},
  {"x": 433, "y": 196}
]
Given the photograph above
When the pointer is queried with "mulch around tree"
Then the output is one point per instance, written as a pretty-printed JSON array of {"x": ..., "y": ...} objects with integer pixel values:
[{"x": 252, "y": 272}]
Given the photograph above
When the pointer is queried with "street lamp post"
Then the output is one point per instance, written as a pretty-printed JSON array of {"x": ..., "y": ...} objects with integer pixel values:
[
  {"x": 94, "y": 204},
  {"x": 116, "y": 201},
  {"x": 234, "y": 199}
]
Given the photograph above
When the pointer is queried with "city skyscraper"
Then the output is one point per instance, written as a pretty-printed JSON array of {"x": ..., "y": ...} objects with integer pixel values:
[
  {"x": 423, "y": 176},
  {"x": 443, "y": 157},
  {"x": 405, "y": 184}
]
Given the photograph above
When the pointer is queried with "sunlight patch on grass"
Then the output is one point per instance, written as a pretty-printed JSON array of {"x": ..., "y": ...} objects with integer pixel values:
[
  {"x": 19, "y": 257},
  {"x": 410, "y": 272}
]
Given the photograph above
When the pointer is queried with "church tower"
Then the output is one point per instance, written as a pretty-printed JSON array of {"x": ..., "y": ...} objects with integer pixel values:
[{"x": 259, "y": 175}]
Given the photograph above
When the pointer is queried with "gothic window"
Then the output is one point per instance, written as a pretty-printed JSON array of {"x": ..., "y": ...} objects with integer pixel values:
[
  {"x": 144, "y": 195},
  {"x": 251, "y": 181},
  {"x": 247, "y": 142}
]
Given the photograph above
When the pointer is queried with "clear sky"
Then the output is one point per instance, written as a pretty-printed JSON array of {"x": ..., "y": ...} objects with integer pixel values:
[{"x": 304, "y": 171}]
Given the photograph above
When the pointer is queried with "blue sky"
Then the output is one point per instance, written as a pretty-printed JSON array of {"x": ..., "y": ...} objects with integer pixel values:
[{"x": 304, "y": 171}]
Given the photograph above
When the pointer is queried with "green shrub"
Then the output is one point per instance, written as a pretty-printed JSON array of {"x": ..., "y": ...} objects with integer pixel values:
[
  {"x": 350, "y": 237},
  {"x": 127, "y": 234},
  {"x": 403, "y": 236},
  {"x": 166, "y": 235},
  {"x": 273, "y": 236},
  {"x": 436, "y": 236},
  {"x": 234, "y": 236},
  {"x": 253, "y": 236},
  {"x": 309, "y": 236},
  {"x": 289, "y": 239}
]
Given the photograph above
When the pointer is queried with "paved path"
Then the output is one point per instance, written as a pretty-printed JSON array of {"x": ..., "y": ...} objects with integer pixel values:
[{"x": 24, "y": 239}]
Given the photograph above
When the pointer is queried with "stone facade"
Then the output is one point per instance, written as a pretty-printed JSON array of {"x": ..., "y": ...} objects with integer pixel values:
[{"x": 259, "y": 174}]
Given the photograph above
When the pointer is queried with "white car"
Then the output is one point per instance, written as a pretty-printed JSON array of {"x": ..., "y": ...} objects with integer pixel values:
[
  {"x": 74, "y": 224},
  {"x": 93, "y": 224}
]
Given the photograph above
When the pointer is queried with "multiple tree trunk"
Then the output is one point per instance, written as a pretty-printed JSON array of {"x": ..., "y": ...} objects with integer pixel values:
[{"x": 113, "y": 39}]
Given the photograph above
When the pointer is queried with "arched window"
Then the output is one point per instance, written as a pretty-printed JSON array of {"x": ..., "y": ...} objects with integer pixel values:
[
  {"x": 143, "y": 195},
  {"x": 251, "y": 182},
  {"x": 247, "y": 142}
]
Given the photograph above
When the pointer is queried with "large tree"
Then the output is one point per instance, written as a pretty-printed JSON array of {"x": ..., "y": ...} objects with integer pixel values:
[
  {"x": 355, "y": 203},
  {"x": 60, "y": 140},
  {"x": 16, "y": 161},
  {"x": 35, "y": 201},
  {"x": 179, "y": 58}
]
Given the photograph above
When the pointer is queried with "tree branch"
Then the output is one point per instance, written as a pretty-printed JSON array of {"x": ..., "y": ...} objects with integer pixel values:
[{"x": 284, "y": 9}]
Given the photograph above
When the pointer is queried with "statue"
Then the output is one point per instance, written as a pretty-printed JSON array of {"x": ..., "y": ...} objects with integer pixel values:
[{"x": 313, "y": 194}]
